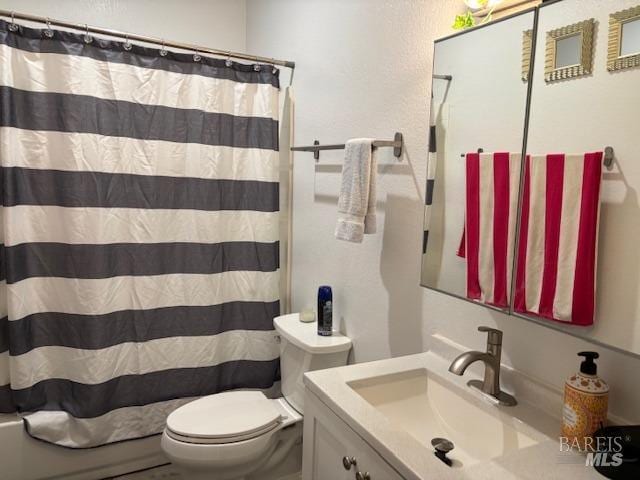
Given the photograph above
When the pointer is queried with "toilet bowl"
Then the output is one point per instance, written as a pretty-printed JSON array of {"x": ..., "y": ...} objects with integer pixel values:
[
  {"x": 238, "y": 434},
  {"x": 250, "y": 435}
]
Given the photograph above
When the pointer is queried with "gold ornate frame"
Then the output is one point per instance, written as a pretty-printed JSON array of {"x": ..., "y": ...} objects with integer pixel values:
[
  {"x": 586, "y": 30},
  {"x": 527, "y": 42},
  {"x": 616, "y": 21}
]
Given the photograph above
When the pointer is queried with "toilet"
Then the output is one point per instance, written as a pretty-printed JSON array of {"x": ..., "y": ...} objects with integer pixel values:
[{"x": 238, "y": 434}]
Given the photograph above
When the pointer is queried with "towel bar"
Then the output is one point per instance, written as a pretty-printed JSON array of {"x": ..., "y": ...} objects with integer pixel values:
[
  {"x": 397, "y": 143},
  {"x": 480, "y": 150},
  {"x": 609, "y": 156}
]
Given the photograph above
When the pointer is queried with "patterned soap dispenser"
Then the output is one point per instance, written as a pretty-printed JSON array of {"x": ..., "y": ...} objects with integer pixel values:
[{"x": 586, "y": 398}]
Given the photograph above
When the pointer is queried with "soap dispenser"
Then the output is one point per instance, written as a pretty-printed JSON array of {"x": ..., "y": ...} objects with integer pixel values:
[{"x": 586, "y": 398}]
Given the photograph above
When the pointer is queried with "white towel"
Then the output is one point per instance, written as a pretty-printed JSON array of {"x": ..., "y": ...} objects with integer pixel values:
[{"x": 357, "y": 202}]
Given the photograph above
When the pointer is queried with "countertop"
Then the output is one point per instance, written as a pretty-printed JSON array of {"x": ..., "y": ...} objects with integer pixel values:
[{"x": 413, "y": 460}]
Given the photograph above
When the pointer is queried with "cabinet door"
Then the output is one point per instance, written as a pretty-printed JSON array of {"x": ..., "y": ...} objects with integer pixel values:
[
  {"x": 330, "y": 448},
  {"x": 328, "y": 440}
]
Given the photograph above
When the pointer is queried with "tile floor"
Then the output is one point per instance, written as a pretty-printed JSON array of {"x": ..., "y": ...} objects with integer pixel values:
[{"x": 167, "y": 472}]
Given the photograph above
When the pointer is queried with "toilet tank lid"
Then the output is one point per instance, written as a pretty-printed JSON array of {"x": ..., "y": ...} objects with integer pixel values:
[{"x": 305, "y": 335}]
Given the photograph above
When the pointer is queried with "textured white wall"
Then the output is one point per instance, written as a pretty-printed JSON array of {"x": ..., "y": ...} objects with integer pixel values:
[
  {"x": 213, "y": 23},
  {"x": 364, "y": 69}
]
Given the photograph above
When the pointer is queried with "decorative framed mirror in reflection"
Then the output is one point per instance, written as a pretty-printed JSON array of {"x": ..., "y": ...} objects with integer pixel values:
[
  {"x": 569, "y": 51},
  {"x": 624, "y": 39},
  {"x": 527, "y": 45},
  {"x": 478, "y": 111}
]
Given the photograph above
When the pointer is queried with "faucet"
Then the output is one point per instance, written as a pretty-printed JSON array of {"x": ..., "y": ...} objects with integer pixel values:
[{"x": 491, "y": 358}]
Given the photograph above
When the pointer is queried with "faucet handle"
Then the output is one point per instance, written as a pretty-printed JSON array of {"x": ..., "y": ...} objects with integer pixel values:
[{"x": 494, "y": 336}]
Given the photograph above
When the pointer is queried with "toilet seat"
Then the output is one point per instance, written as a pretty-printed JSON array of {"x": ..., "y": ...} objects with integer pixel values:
[
  {"x": 218, "y": 441},
  {"x": 223, "y": 418}
]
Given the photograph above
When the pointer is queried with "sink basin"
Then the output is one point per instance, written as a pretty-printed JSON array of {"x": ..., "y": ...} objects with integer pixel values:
[{"x": 427, "y": 407}]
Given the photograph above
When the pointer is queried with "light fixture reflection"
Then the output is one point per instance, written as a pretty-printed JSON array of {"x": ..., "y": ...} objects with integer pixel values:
[{"x": 477, "y": 4}]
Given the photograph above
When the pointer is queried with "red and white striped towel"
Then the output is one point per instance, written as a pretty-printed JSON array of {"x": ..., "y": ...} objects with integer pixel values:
[
  {"x": 557, "y": 250},
  {"x": 492, "y": 181}
]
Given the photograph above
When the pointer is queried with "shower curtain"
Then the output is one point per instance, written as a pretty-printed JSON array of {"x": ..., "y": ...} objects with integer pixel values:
[{"x": 139, "y": 225}]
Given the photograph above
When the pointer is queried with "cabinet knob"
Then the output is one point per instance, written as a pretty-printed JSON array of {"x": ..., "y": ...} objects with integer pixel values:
[
  {"x": 347, "y": 462},
  {"x": 363, "y": 476}
]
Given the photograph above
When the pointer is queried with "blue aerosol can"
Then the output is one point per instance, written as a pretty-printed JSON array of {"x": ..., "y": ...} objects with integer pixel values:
[{"x": 325, "y": 311}]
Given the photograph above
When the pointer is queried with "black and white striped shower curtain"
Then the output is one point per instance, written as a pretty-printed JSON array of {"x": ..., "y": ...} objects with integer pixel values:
[{"x": 139, "y": 224}]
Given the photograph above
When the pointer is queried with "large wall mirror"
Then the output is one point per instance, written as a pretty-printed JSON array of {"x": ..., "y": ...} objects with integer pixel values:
[
  {"x": 479, "y": 99},
  {"x": 566, "y": 247}
]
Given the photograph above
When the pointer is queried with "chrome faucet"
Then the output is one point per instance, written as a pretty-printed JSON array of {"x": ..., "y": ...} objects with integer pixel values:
[{"x": 491, "y": 359}]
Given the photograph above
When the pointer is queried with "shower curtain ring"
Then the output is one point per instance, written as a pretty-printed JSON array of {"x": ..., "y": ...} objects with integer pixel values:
[
  {"x": 13, "y": 27},
  {"x": 48, "y": 32},
  {"x": 127, "y": 44},
  {"x": 196, "y": 56},
  {"x": 228, "y": 62},
  {"x": 256, "y": 66},
  {"x": 87, "y": 37},
  {"x": 163, "y": 51}
]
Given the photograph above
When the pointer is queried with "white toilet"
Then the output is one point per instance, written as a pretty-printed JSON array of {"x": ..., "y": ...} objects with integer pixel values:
[{"x": 232, "y": 435}]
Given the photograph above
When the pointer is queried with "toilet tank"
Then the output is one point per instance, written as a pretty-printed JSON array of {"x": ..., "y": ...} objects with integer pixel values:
[{"x": 303, "y": 350}]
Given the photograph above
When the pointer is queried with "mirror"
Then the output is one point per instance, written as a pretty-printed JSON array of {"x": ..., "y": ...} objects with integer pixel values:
[
  {"x": 572, "y": 262},
  {"x": 569, "y": 123},
  {"x": 568, "y": 51},
  {"x": 478, "y": 104},
  {"x": 630, "y": 38},
  {"x": 624, "y": 39},
  {"x": 527, "y": 45}
]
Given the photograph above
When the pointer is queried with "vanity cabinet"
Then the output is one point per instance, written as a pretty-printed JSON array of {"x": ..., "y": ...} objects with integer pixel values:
[{"x": 329, "y": 444}]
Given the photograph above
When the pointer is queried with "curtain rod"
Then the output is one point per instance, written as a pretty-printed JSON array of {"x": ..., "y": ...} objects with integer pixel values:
[{"x": 141, "y": 38}]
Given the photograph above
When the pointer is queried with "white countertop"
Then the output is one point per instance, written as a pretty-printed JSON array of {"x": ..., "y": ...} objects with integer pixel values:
[{"x": 413, "y": 460}]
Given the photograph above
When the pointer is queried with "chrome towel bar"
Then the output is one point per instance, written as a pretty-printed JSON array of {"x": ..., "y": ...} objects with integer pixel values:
[
  {"x": 609, "y": 156},
  {"x": 397, "y": 143}
]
